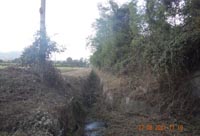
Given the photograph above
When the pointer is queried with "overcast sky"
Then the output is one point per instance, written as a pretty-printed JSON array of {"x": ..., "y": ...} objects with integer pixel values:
[{"x": 68, "y": 22}]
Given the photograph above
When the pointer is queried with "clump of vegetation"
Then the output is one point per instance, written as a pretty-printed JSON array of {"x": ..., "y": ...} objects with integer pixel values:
[
  {"x": 37, "y": 57},
  {"x": 40, "y": 51},
  {"x": 152, "y": 36},
  {"x": 92, "y": 89},
  {"x": 161, "y": 37}
]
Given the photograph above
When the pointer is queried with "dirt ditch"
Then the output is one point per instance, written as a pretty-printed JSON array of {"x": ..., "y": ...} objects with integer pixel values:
[
  {"x": 29, "y": 107},
  {"x": 87, "y": 105}
]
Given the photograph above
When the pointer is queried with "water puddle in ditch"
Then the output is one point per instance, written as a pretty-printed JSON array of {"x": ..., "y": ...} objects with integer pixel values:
[{"x": 95, "y": 128}]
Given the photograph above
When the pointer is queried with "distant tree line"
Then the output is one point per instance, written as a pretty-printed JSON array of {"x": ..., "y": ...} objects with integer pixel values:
[
  {"x": 69, "y": 62},
  {"x": 16, "y": 61}
]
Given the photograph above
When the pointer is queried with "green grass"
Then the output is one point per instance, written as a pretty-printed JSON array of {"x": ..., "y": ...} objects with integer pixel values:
[
  {"x": 62, "y": 69},
  {"x": 67, "y": 69},
  {"x": 6, "y": 64},
  {"x": 2, "y": 67}
]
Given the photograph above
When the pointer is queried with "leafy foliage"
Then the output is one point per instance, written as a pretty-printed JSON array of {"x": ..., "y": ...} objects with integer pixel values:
[
  {"x": 160, "y": 41},
  {"x": 35, "y": 53},
  {"x": 37, "y": 56},
  {"x": 163, "y": 35}
]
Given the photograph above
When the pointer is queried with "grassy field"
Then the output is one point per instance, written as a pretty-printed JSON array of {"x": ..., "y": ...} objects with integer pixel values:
[
  {"x": 62, "y": 69},
  {"x": 67, "y": 69},
  {"x": 6, "y": 64},
  {"x": 2, "y": 67}
]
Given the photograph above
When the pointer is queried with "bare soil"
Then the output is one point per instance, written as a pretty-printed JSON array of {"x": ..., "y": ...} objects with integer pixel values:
[{"x": 29, "y": 106}]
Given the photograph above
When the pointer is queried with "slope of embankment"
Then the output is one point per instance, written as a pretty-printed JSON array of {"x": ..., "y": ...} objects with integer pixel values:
[
  {"x": 30, "y": 107},
  {"x": 139, "y": 111}
]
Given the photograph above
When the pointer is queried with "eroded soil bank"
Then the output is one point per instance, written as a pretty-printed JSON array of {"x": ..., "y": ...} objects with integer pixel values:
[
  {"x": 30, "y": 107},
  {"x": 88, "y": 104},
  {"x": 128, "y": 112}
]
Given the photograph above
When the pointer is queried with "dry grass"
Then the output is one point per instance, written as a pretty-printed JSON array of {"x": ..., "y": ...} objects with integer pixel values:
[
  {"x": 76, "y": 72},
  {"x": 2, "y": 67},
  {"x": 67, "y": 69},
  {"x": 124, "y": 115},
  {"x": 28, "y": 106}
]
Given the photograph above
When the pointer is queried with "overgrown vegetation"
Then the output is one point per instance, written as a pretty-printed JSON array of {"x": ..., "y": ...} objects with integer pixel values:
[
  {"x": 39, "y": 53},
  {"x": 92, "y": 90},
  {"x": 161, "y": 37},
  {"x": 37, "y": 57}
]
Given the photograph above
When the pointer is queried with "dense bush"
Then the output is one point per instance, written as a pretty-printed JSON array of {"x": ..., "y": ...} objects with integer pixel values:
[
  {"x": 163, "y": 36},
  {"x": 37, "y": 55},
  {"x": 52, "y": 76},
  {"x": 159, "y": 41}
]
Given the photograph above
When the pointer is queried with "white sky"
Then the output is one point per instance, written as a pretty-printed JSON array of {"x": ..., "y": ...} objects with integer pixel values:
[{"x": 68, "y": 22}]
